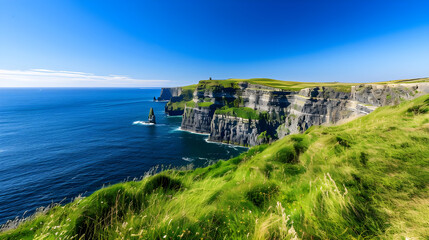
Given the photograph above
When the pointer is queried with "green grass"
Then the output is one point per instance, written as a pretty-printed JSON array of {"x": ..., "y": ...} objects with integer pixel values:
[
  {"x": 216, "y": 84},
  {"x": 289, "y": 85},
  {"x": 176, "y": 106},
  {"x": 367, "y": 179},
  {"x": 204, "y": 85},
  {"x": 414, "y": 80},
  {"x": 205, "y": 104},
  {"x": 284, "y": 85},
  {"x": 242, "y": 112},
  {"x": 190, "y": 104},
  {"x": 179, "y": 103},
  {"x": 189, "y": 87}
]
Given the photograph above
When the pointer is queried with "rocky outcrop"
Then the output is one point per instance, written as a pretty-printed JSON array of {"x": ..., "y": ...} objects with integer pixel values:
[
  {"x": 235, "y": 130},
  {"x": 168, "y": 93},
  {"x": 176, "y": 105},
  {"x": 151, "y": 118},
  {"x": 282, "y": 112},
  {"x": 197, "y": 119},
  {"x": 388, "y": 94}
]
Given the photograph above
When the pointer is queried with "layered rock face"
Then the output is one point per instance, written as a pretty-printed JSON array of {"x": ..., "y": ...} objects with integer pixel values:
[
  {"x": 197, "y": 119},
  {"x": 277, "y": 112},
  {"x": 168, "y": 93},
  {"x": 389, "y": 94},
  {"x": 239, "y": 131}
]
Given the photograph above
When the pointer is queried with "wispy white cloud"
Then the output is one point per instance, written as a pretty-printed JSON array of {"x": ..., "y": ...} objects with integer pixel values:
[{"x": 53, "y": 78}]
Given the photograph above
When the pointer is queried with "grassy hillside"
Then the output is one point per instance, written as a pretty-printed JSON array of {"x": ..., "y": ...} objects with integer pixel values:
[
  {"x": 285, "y": 85},
  {"x": 413, "y": 80},
  {"x": 365, "y": 179},
  {"x": 295, "y": 86}
]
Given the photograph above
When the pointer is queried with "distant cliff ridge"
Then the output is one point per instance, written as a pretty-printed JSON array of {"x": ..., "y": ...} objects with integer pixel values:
[
  {"x": 254, "y": 111},
  {"x": 168, "y": 93}
]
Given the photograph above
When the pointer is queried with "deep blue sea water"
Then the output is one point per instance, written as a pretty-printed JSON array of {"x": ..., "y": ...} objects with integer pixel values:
[{"x": 58, "y": 143}]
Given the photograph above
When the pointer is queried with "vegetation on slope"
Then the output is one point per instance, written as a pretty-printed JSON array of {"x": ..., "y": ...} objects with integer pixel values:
[
  {"x": 289, "y": 85},
  {"x": 241, "y": 112},
  {"x": 179, "y": 103},
  {"x": 205, "y": 104},
  {"x": 285, "y": 85},
  {"x": 413, "y": 80},
  {"x": 364, "y": 179}
]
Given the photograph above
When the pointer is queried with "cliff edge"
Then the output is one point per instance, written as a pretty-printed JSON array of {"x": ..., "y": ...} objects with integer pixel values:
[{"x": 249, "y": 112}]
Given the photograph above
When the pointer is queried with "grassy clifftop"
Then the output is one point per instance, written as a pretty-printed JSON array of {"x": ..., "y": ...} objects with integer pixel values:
[
  {"x": 365, "y": 179},
  {"x": 294, "y": 86},
  {"x": 284, "y": 85},
  {"x": 179, "y": 103}
]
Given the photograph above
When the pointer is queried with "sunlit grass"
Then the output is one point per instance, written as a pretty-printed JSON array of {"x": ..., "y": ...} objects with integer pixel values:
[{"x": 364, "y": 179}]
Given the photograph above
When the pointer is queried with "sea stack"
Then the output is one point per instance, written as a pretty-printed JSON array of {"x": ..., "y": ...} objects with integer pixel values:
[{"x": 151, "y": 118}]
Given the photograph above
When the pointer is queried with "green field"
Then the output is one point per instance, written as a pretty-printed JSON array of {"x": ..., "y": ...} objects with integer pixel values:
[
  {"x": 205, "y": 104},
  {"x": 364, "y": 179}
]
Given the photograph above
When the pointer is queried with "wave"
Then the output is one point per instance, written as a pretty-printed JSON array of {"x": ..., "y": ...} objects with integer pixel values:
[
  {"x": 180, "y": 129},
  {"x": 174, "y": 130},
  {"x": 187, "y": 159},
  {"x": 143, "y": 123},
  {"x": 226, "y": 144},
  {"x": 148, "y": 124}
]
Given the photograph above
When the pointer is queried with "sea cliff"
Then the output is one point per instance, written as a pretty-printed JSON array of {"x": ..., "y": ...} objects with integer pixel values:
[{"x": 251, "y": 112}]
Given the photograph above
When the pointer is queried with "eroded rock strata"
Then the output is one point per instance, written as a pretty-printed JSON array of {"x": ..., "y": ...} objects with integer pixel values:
[{"x": 250, "y": 114}]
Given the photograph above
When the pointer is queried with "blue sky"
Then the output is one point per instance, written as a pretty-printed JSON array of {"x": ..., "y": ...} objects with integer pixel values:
[{"x": 169, "y": 43}]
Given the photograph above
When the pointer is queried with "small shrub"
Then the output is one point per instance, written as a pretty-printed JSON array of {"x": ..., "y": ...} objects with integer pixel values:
[
  {"x": 259, "y": 195},
  {"x": 286, "y": 155},
  {"x": 418, "y": 109},
  {"x": 301, "y": 143},
  {"x": 163, "y": 182},
  {"x": 343, "y": 142},
  {"x": 268, "y": 168},
  {"x": 363, "y": 158}
]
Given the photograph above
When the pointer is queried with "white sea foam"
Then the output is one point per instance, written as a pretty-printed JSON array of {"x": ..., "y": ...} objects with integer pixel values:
[
  {"x": 174, "y": 130},
  {"x": 142, "y": 123},
  {"x": 227, "y": 144},
  {"x": 180, "y": 129},
  {"x": 187, "y": 159}
]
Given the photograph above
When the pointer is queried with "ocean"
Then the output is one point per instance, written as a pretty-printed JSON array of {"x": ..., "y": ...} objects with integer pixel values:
[{"x": 58, "y": 143}]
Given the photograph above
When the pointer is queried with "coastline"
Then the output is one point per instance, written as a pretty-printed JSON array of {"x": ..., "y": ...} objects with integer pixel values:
[
  {"x": 229, "y": 144},
  {"x": 180, "y": 129}
]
